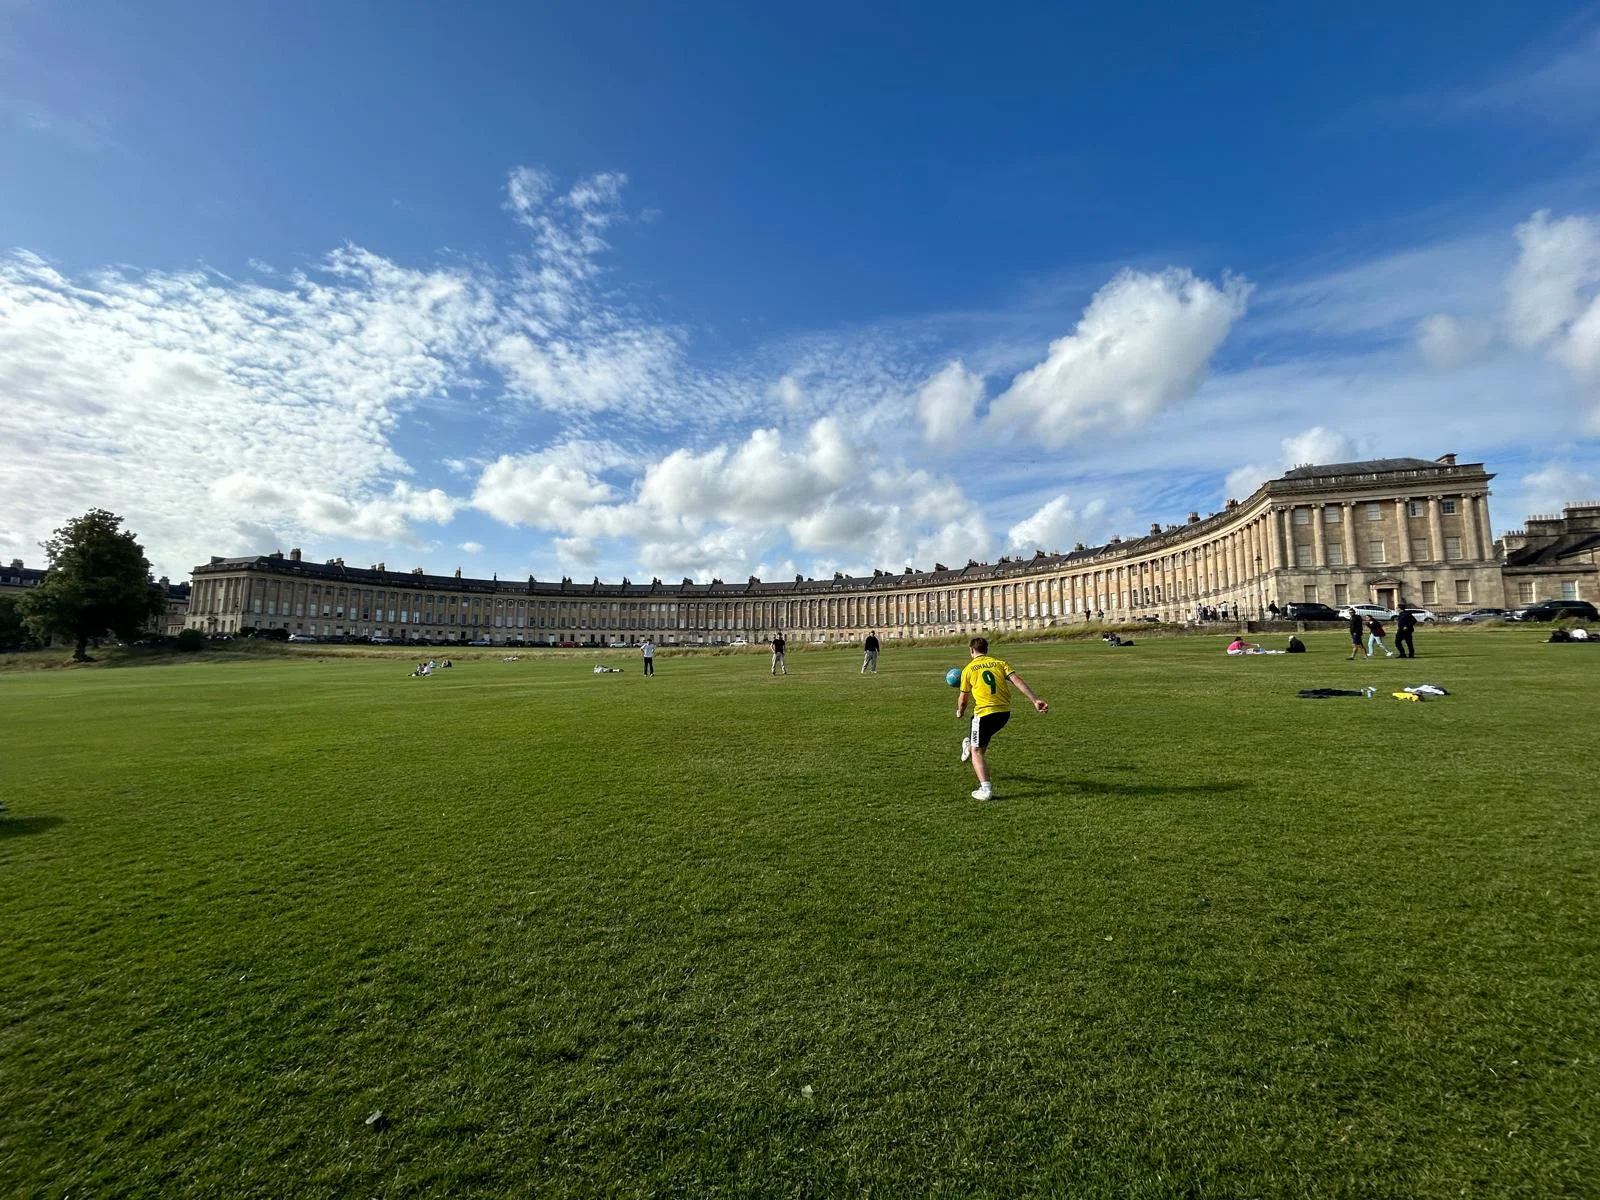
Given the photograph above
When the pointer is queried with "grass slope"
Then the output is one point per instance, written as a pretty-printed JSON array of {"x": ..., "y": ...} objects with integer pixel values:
[{"x": 722, "y": 934}]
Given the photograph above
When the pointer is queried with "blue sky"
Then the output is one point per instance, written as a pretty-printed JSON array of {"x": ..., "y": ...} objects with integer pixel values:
[{"x": 723, "y": 289}]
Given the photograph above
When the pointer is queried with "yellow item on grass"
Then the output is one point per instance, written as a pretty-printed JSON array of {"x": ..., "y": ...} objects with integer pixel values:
[{"x": 1406, "y": 696}]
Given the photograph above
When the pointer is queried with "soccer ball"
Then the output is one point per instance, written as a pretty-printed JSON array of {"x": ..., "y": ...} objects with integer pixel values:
[{"x": 953, "y": 676}]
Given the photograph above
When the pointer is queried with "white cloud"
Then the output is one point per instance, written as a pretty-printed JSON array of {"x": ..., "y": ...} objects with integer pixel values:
[
  {"x": 720, "y": 510},
  {"x": 551, "y": 489},
  {"x": 1449, "y": 342},
  {"x": 1549, "y": 489},
  {"x": 472, "y": 547},
  {"x": 1317, "y": 446},
  {"x": 1142, "y": 346},
  {"x": 1553, "y": 281},
  {"x": 384, "y": 519},
  {"x": 1553, "y": 300},
  {"x": 947, "y": 403},
  {"x": 139, "y": 392},
  {"x": 1057, "y": 526}
]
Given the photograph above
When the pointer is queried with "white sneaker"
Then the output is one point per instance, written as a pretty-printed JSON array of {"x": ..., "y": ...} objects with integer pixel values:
[
  {"x": 984, "y": 792},
  {"x": 966, "y": 748}
]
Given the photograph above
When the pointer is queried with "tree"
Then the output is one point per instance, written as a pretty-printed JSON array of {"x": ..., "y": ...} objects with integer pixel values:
[
  {"x": 13, "y": 633},
  {"x": 97, "y": 581}
]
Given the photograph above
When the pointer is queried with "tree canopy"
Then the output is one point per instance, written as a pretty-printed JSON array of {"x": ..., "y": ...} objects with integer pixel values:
[{"x": 97, "y": 582}]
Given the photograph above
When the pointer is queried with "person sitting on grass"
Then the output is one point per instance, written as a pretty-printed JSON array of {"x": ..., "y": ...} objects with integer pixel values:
[{"x": 1240, "y": 646}]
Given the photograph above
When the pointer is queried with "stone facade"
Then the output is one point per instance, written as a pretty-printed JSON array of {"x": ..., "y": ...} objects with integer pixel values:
[
  {"x": 1554, "y": 558},
  {"x": 16, "y": 579},
  {"x": 1381, "y": 531}
]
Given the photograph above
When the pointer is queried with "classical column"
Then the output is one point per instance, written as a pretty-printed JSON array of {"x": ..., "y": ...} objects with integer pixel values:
[
  {"x": 1348, "y": 517},
  {"x": 1470, "y": 546},
  {"x": 1435, "y": 531},
  {"x": 1403, "y": 519},
  {"x": 1319, "y": 555}
]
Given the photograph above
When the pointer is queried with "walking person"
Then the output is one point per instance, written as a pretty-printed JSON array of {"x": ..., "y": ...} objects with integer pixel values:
[
  {"x": 648, "y": 649},
  {"x": 987, "y": 681},
  {"x": 1375, "y": 638},
  {"x": 869, "y": 660},
  {"x": 1355, "y": 626},
  {"x": 1404, "y": 625},
  {"x": 777, "y": 655}
]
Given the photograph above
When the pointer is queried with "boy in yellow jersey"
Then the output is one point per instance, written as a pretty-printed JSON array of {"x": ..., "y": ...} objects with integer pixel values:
[{"x": 987, "y": 681}]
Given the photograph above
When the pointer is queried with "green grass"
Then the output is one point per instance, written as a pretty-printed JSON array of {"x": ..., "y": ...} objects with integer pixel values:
[{"x": 716, "y": 934}]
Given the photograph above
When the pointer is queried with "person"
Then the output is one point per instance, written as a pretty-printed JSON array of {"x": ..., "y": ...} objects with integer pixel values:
[
  {"x": 1240, "y": 646},
  {"x": 986, "y": 682},
  {"x": 1404, "y": 624},
  {"x": 1375, "y": 638},
  {"x": 1272, "y": 609},
  {"x": 869, "y": 660},
  {"x": 648, "y": 649},
  {"x": 777, "y": 655},
  {"x": 1296, "y": 646},
  {"x": 1355, "y": 626}
]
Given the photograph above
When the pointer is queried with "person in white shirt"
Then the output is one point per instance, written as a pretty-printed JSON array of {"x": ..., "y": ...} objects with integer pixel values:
[{"x": 649, "y": 651}]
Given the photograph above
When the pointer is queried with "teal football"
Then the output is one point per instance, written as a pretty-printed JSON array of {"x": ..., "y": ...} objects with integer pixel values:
[{"x": 953, "y": 676}]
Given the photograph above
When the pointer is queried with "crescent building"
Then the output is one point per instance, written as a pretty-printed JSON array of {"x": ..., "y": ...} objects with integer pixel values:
[{"x": 1384, "y": 531}]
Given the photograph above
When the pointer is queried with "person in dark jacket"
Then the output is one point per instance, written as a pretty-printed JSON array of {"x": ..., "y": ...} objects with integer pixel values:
[
  {"x": 869, "y": 659},
  {"x": 1356, "y": 625},
  {"x": 1375, "y": 638},
  {"x": 1404, "y": 625}
]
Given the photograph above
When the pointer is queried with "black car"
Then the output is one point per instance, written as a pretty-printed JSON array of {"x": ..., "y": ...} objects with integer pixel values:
[
  {"x": 1309, "y": 611},
  {"x": 1557, "y": 610}
]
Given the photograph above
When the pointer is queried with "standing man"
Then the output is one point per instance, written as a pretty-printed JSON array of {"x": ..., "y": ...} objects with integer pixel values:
[
  {"x": 777, "y": 655},
  {"x": 1355, "y": 626},
  {"x": 1404, "y": 625},
  {"x": 649, "y": 651},
  {"x": 869, "y": 660},
  {"x": 987, "y": 681}
]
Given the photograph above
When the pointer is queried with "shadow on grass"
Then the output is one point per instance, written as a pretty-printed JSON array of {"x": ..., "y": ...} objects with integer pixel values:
[
  {"x": 1103, "y": 787},
  {"x": 11, "y": 827}
]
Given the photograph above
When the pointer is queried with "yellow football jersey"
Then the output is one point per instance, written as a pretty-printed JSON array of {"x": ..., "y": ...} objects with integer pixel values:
[{"x": 985, "y": 679}]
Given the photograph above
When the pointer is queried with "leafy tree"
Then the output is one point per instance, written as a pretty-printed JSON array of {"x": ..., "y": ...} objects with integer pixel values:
[
  {"x": 98, "y": 581},
  {"x": 13, "y": 633}
]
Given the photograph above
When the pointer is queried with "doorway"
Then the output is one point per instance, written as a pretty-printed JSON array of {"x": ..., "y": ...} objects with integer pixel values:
[{"x": 1386, "y": 597}]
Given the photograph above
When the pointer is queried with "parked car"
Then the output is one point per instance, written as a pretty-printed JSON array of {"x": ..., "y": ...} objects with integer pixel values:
[
  {"x": 1481, "y": 614},
  {"x": 1377, "y": 611},
  {"x": 1557, "y": 610},
  {"x": 302, "y": 637},
  {"x": 480, "y": 642},
  {"x": 1420, "y": 615},
  {"x": 1308, "y": 611}
]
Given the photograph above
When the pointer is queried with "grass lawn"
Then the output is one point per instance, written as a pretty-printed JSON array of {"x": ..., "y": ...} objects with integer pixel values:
[{"x": 719, "y": 934}]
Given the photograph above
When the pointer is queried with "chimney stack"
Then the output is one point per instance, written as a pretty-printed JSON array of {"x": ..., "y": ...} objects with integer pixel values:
[
  {"x": 1446, "y": 460},
  {"x": 294, "y": 555}
]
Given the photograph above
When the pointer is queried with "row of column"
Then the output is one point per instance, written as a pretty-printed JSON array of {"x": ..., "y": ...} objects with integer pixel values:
[
  {"x": 1227, "y": 566},
  {"x": 1476, "y": 536}
]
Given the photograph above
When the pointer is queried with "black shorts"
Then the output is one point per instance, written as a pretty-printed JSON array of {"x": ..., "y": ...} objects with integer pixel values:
[{"x": 986, "y": 726}]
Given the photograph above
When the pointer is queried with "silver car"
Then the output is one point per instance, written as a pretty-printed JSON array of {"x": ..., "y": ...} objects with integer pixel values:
[{"x": 1375, "y": 611}]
